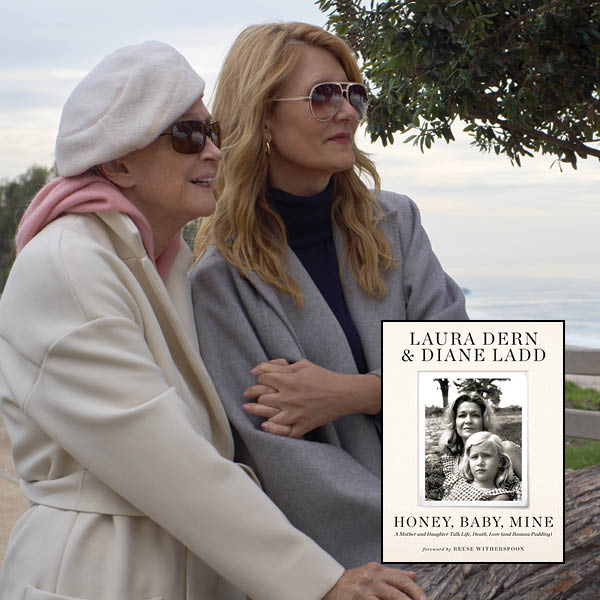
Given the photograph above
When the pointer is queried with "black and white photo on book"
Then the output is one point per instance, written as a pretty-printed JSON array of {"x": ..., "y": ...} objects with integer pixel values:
[
  {"x": 487, "y": 410},
  {"x": 473, "y": 441}
]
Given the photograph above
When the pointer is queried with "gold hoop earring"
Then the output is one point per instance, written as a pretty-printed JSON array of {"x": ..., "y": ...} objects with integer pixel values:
[{"x": 268, "y": 147}]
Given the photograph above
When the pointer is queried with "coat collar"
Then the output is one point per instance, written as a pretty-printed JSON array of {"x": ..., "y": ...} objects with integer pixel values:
[{"x": 130, "y": 247}]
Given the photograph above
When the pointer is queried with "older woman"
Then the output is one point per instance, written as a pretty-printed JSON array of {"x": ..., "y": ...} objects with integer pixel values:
[
  {"x": 467, "y": 415},
  {"x": 301, "y": 261},
  {"x": 119, "y": 438}
]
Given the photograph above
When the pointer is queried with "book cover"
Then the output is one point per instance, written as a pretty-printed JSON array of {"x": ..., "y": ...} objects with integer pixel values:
[{"x": 473, "y": 441}]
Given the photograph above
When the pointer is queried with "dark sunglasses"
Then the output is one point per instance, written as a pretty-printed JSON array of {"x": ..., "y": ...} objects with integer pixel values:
[
  {"x": 189, "y": 137},
  {"x": 325, "y": 99}
]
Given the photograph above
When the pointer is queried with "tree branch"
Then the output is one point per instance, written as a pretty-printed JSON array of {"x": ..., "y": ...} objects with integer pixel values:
[
  {"x": 522, "y": 18},
  {"x": 574, "y": 146},
  {"x": 578, "y": 147}
]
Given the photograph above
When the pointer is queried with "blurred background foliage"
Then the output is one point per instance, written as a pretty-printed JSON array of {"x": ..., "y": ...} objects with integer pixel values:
[{"x": 15, "y": 195}]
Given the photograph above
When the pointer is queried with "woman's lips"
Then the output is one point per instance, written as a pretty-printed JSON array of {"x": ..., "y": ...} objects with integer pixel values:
[
  {"x": 340, "y": 138},
  {"x": 203, "y": 181}
]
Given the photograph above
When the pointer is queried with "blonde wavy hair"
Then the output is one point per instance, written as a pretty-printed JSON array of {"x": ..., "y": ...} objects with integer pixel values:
[
  {"x": 246, "y": 230},
  {"x": 505, "y": 472}
]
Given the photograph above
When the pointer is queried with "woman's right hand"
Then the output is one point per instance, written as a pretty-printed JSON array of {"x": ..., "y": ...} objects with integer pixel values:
[
  {"x": 375, "y": 581},
  {"x": 299, "y": 397}
]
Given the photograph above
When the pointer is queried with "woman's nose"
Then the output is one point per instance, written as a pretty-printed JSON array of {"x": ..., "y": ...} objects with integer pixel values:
[
  {"x": 210, "y": 151},
  {"x": 346, "y": 110}
]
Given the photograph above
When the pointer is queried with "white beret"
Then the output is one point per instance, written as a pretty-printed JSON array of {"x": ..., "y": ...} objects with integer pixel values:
[{"x": 123, "y": 104}]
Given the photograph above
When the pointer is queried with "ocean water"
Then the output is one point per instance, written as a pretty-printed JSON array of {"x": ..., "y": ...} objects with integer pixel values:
[{"x": 576, "y": 301}]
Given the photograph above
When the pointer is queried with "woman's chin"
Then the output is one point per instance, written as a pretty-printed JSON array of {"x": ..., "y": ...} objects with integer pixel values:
[{"x": 205, "y": 203}]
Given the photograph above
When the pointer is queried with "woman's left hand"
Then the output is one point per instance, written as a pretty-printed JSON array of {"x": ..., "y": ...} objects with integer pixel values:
[{"x": 297, "y": 398}]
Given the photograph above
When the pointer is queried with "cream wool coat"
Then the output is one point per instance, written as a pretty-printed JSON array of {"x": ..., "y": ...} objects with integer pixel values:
[{"x": 120, "y": 440}]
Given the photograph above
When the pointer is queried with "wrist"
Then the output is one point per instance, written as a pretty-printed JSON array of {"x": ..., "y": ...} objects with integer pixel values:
[{"x": 361, "y": 394}]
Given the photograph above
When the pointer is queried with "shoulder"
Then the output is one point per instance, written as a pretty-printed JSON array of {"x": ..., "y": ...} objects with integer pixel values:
[
  {"x": 211, "y": 271},
  {"x": 218, "y": 284},
  {"x": 399, "y": 204},
  {"x": 66, "y": 276},
  {"x": 450, "y": 463},
  {"x": 400, "y": 217},
  {"x": 85, "y": 229},
  {"x": 509, "y": 446},
  {"x": 55, "y": 257},
  {"x": 70, "y": 240},
  {"x": 82, "y": 249},
  {"x": 211, "y": 261},
  {"x": 501, "y": 497}
]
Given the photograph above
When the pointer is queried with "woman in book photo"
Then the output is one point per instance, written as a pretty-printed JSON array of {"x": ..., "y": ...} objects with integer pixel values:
[
  {"x": 118, "y": 436},
  {"x": 298, "y": 266},
  {"x": 487, "y": 471},
  {"x": 470, "y": 414}
]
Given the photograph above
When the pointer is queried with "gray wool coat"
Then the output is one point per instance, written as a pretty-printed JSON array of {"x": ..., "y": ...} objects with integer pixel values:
[{"x": 328, "y": 483}]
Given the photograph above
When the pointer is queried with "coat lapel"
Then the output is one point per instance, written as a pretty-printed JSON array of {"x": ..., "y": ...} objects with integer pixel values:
[
  {"x": 184, "y": 353},
  {"x": 315, "y": 328},
  {"x": 368, "y": 311}
]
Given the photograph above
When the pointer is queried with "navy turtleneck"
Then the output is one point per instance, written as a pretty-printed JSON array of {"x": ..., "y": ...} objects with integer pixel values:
[{"x": 308, "y": 228}]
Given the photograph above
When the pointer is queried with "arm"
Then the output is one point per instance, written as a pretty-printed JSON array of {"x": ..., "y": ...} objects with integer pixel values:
[
  {"x": 322, "y": 482},
  {"x": 501, "y": 497},
  {"x": 90, "y": 381},
  {"x": 176, "y": 477},
  {"x": 417, "y": 289}
]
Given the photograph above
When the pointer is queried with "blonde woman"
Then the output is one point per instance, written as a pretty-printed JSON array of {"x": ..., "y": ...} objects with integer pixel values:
[{"x": 299, "y": 264}]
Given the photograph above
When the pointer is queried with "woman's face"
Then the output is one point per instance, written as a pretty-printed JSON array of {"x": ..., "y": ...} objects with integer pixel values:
[
  {"x": 484, "y": 462},
  {"x": 171, "y": 188},
  {"x": 469, "y": 419},
  {"x": 305, "y": 152}
]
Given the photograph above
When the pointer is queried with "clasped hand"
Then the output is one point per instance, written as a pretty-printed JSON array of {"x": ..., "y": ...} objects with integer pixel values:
[{"x": 296, "y": 398}]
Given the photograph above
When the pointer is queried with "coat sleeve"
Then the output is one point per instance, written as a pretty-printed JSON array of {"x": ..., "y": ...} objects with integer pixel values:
[
  {"x": 323, "y": 489},
  {"x": 100, "y": 394}
]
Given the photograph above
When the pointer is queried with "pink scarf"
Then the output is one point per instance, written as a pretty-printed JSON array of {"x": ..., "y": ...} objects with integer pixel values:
[{"x": 85, "y": 194}]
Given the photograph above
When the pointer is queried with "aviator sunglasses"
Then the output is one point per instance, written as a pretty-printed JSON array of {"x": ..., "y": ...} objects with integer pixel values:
[
  {"x": 325, "y": 99},
  {"x": 189, "y": 137}
]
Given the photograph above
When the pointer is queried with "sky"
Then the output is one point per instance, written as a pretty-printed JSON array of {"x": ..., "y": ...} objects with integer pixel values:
[{"x": 482, "y": 214}]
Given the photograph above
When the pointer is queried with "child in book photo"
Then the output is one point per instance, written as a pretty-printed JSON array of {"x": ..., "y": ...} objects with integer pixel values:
[{"x": 487, "y": 473}]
